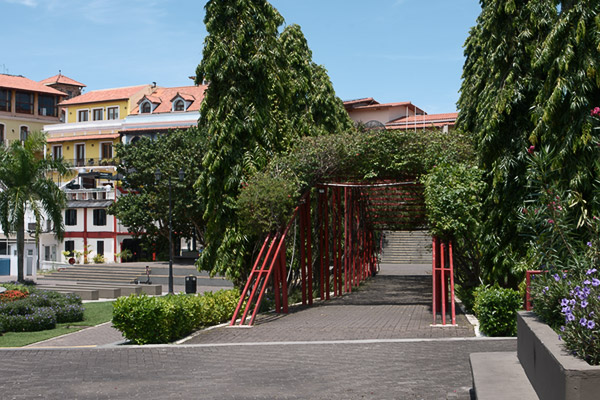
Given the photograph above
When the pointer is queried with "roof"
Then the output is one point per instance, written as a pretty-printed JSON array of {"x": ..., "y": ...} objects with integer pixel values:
[
  {"x": 21, "y": 83},
  {"x": 164, "y": 97},
  {"x": 65, "y": 80},
  {"x": 97, "y": 96},
  {"x": 365, "y": 100},
  {"x": 413, "y": 121}
]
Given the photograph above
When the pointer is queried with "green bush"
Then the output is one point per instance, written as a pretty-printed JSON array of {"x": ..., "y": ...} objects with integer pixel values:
[
  {"x": 143, "y": 319},
  {"x": 41, "y": 310},
  {"x": 496, "y": 309},
  {"x": 40, "y": 319}
]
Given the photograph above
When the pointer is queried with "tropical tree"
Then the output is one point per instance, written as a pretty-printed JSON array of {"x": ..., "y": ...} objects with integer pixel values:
[
  {"x": 529, "y": 80},
  {"x": 24, "y": 185},
  {"x": 145, "y": 210},
  {"x": 264, "y": 91}
]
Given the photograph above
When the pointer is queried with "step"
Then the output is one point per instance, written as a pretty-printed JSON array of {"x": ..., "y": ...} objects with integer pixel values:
[
  {"x": 153, "y": 290},
  {"x": 500, "y": 376},
  {"x": 103, "y": 292},
  {"x": 85, "y": 294},
  {"x": 126, "y": 290}
]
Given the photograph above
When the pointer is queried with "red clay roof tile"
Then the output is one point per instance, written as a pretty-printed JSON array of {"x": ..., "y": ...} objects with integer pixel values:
[
  {"x": 193, "y": 94},
  {"x": 97, "y": 96},
  {"x": 65, "y": 80},
  {"x": 22, "y": 83}
]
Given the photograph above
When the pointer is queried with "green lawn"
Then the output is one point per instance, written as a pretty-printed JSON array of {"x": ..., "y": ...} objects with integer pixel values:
[{"x": 95, "y": 314}]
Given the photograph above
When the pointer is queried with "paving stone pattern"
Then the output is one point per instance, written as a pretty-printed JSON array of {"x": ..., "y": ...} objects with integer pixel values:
[
  {"x": 280, "y": 358},
  {"x": 423, "y": 370}
]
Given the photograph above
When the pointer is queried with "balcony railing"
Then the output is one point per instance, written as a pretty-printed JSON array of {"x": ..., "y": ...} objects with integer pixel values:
[
  {"x": 90, "y": 194},
  {"x": 92, "y": 162}
]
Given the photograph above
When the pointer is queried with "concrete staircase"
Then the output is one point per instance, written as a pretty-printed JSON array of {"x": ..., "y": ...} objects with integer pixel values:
[
  {"x": 126, "y": 273},
  {"x": 406, "y": 247}
]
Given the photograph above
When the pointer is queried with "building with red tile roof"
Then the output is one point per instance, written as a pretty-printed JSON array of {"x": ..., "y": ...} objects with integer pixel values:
[
  {"x": 65, "y": 84},
  {"x": 26, "y": 106},
  {"x": 399, "y": 115},
  {"x": 163, "y": 110}
]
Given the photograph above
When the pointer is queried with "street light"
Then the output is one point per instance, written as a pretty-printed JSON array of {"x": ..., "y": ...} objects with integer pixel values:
[{"x": 157, "y": 177}]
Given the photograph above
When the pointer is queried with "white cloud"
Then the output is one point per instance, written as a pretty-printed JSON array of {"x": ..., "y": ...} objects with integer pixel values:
[{"x": 28, "y": 3}]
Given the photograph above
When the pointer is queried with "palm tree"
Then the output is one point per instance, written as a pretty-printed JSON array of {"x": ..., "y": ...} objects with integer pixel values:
[{"x": 24, "y": 184}]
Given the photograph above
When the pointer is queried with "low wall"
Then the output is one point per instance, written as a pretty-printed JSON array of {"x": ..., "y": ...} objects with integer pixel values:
[{"x": 553, "y": 373}]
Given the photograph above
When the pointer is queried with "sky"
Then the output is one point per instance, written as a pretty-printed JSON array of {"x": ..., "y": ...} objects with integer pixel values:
[{"x": 391, "y": 50}]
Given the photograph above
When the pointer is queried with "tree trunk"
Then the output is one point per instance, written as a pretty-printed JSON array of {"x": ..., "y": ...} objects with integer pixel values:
[{"x": 20, "y": 248}]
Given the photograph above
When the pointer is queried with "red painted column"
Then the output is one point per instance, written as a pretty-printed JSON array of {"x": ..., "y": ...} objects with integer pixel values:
[
  {"x": 326, "y": 240},
  {"x": 321, "y": 222},
  {"x": 85, "y": 235},
  {"x": 302, "y": 252},
  {"x": 347, "y": 277},
  {"x": 309, "y": 250}
]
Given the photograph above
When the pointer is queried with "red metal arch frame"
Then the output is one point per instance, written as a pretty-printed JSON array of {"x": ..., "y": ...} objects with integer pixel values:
[{"x": 347, "y": 216}]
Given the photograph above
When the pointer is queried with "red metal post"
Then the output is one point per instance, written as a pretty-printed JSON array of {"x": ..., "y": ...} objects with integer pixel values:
[
  {"x": 283, "y": 276},
  {"x": 452, "y": 283},
  {"x": 321, "y": 222},
  {"x": 443, "y": 282},
  {"x": 302, "y": 252},
  {"x": 309, "y": 249},
  {"x": 433, "y": 274},
  {"x": 346, "y": 242},
  {"x": 277, "y": 283},
  {"x": 326, "y": 240}
]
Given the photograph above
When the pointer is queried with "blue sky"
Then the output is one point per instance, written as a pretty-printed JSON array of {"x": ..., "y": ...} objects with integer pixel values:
[{"x": 391, "y": 50}]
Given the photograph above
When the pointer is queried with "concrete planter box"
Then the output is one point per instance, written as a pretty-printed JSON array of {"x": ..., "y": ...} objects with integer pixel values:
[{"x": 553, "y": 373}]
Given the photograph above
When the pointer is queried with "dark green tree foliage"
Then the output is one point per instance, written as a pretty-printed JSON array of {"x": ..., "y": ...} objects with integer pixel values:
[
  {"x": 148, "y": 201},
  {"x": 24, "y": 184},
  {"x": 264, "y": 91},
  {"x": 529, "y": 79}
]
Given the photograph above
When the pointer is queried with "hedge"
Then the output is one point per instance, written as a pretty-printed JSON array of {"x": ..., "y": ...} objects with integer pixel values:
[
  {"x": 496, "y": 309},
  {"x": 144, "y": 320}
]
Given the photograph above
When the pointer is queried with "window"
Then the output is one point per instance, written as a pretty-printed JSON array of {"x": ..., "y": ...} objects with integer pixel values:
[
  {"x": 100, "y": 217},
  {"x": 112, "y": 113},
  {"x": 24, "y": 132},
  {"x": 100, "y": 247},
  {"x": 80, "y": 154},
  {"x": 1, "y": 134},
  {"x": 83, "y": 115},
  {"x": 3, "y": 248},
  {"x": 70, "y": 247},
  {"x": 5, "y": 100},
  {"x": 47, "y": 105},
  {"x": 50, "y": 253},
  {"x": 97, "y": 114},
  {"x": 146, "y": 107},
  {"x": 70, "y": 216},
  {"x": 106, "y": 150},
  {"x": 24, "y": 103},
  {"x": 179, "y": 105},
  {"x": 57, "y": 152}
]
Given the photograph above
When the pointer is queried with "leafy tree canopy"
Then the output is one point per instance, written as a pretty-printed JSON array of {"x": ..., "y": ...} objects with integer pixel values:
[
  {"x": 264, "y": 91},
  {"x": 145, "y": 210},
  {"x": 530, "y": 79},
  {"x": 24, "y": 185}
]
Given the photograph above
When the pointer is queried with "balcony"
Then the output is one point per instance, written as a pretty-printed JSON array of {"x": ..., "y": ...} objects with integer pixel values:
[
  {"x": 92, "y": 162},
  {"x": 89, "y": 194}
]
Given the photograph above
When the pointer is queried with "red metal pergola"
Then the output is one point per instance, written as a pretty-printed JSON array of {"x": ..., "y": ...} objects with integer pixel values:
[{"x": 336, "y": 242}]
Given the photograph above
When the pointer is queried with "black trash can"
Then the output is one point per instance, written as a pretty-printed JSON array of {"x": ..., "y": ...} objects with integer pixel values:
[{"x": 190, "y": 284}]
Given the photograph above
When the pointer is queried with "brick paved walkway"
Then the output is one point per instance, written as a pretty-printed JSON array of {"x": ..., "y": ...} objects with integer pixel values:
[{"x": 373, "y": 344}]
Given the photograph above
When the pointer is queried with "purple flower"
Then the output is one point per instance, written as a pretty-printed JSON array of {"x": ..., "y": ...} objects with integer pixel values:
[
  {"x": 564, "y": 302},
  {"x": 591, "y": 324},
  {"x": 591, "y": 271},
  {"x": 559, "y": 337},
  {"x": 584, "y": 303},
  {"x": 587, "y": 282},
  {"x": 556, "y": 277},
  {"x": 570, "y": 317},
  {"x": 562, "y": 328},
  {"x": 589, "y": 244},
  {"x": 583, "y": 321},
  {"x": 595, "y": 282}
]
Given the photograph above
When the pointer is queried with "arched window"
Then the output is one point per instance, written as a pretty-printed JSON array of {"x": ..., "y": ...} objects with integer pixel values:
[
  {"x": 135, "y": 139},
  {"x": 179, "y": 105},
  {"x": 146, "y": 108}
]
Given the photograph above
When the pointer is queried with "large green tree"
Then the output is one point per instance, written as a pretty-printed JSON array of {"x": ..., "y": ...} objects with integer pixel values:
[
  {"x": 529, "y": 79},
  {"x": 264, "y": 91},
  {"x": 145, "y": 210},
  {"x": 24, "y": 185}
]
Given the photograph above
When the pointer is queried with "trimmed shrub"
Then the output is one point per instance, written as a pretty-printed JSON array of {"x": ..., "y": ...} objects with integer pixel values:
[
  {"x": 496, "y": 309},
  {"x": 143, "y": 319},
  {"x": 40, "y": 319}
]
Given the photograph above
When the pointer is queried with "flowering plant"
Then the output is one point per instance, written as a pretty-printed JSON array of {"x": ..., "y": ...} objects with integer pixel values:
[
  {"x": 12, "y": 295},
  {"x": 581, "y": 310}
]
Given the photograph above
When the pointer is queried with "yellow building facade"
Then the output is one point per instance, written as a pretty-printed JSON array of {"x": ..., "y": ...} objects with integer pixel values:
[{"x": 26, "y": 106}]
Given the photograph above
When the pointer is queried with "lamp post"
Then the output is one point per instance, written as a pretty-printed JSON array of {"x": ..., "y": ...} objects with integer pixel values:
[{"x": 157, "y": 176}]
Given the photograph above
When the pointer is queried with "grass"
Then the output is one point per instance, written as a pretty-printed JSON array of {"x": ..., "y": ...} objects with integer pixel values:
[{"x": 95, "y": 314}]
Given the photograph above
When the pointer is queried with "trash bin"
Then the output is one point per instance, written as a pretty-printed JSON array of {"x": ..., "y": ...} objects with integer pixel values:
[{"x": 190, "y": 284}]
